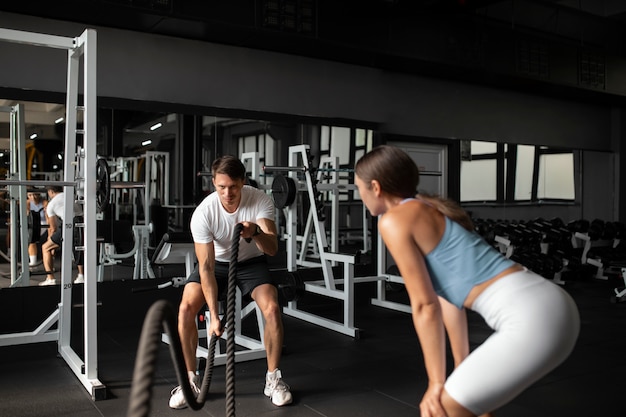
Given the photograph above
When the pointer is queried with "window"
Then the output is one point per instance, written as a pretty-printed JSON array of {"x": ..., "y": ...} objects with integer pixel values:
[
  {"x": 262, "y": 143},
  {"x": 506, "y": 173},
  {"x": 556, "y": 179},
  {"x": 347, "y": 144}
]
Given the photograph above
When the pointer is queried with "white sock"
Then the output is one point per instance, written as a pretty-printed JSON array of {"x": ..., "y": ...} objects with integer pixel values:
[{"x": 32, "y": 259}]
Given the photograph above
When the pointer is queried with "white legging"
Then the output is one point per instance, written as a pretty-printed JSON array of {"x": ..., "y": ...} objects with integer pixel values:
[{"x": 536, "y": 324}]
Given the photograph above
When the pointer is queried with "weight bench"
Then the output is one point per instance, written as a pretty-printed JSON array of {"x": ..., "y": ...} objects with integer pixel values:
[{"x": 180, "y": 249}]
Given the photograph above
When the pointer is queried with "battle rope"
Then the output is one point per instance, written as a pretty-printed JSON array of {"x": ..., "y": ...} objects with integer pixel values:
[{"x": 161, "y": 316}]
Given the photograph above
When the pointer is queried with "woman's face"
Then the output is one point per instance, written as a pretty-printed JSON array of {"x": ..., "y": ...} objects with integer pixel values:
[{"x": 372, "y": 201}]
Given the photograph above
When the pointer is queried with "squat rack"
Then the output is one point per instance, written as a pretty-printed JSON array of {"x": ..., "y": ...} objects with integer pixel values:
[
  {"x": 341, "y": 289},
  {"x": 81, "y": 49}
]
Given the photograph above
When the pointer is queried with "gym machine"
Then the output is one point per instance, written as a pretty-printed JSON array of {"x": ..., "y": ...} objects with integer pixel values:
[
  {"x": 128, "y": 190},
  {"x": 18, "y": 228},
  {"x": 81, "y": 49},
  {"x": 284, "y": 191}
]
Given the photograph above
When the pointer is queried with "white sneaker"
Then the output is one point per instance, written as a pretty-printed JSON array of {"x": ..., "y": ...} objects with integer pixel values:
[
  {"x": 177, "y": 400},
  {"x": 276, "y": 389},
  {"x": 48, "y": 282},
  {"x": 80, "y": 279}
]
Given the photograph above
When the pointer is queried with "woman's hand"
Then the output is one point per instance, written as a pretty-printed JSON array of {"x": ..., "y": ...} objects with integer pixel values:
[{"x": 430, "y": 406}]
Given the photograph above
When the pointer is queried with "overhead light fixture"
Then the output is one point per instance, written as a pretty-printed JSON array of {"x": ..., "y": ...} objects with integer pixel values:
[
  {"x": 59, "y": 120},
  {"x": 146, "y": 142},
  {"x": 33, "y": 136},
  {"x": 60, "y": 156},
  {"x": 156, "y": 126}
]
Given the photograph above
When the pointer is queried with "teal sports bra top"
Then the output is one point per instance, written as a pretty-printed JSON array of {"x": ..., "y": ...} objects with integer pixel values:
[{"x": 460, "y": 261}]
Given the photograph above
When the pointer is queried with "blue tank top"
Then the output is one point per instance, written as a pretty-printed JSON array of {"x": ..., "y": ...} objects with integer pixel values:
[{"x": 461, "y": 260}]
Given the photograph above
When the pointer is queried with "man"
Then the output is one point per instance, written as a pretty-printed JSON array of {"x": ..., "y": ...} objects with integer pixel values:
[
  {"x": 55, "y": 211},
  {"x": 212, "y": 225}
]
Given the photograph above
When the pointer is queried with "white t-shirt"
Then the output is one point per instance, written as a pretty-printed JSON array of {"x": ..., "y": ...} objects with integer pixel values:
[
  {"x": 210, "y": 222},
  {"x": 56, "y": 207}
]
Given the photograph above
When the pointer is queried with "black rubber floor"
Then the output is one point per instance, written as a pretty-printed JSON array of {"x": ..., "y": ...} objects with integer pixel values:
[{"x": 379, "y": 374}]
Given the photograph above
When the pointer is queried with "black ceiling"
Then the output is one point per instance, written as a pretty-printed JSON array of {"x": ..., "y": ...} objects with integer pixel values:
[{"x": 486, "y": 41}]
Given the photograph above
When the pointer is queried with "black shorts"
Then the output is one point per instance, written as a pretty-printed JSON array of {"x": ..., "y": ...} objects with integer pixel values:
[
  {"x": 57, "y": 236},
  {"x": 250, "y": 274}
]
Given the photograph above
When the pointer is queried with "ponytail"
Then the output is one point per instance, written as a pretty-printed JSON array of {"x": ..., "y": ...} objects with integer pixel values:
[{"x": 449, "y": 209}]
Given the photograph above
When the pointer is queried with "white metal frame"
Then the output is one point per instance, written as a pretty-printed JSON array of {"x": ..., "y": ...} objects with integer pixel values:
[
  {"x": 20, "y": 276},
  {"x": 80, "y": 49},
  {"x": 339, "y": 289}
]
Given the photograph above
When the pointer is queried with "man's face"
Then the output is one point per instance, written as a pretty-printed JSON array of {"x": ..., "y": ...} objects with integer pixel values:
[{"x": 228, "y": 190}]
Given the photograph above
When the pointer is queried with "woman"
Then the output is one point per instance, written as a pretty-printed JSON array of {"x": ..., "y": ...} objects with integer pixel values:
[
  {"x": 37, "y": 207},
  {"x": 535, "y": 322}
]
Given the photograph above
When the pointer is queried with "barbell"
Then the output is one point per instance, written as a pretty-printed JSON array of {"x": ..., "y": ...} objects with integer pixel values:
[{"x": 103, "y": 183}]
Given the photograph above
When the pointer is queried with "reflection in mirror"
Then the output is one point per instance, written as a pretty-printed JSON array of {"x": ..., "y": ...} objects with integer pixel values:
[
  {"x": 154, "y": 159},
  {"x": 508, "y": 173}
]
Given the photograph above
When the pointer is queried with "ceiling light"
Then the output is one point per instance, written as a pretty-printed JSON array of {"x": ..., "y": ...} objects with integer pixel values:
[
  {"x": 59, "y": 120},
  {"x": 156, "y": 126},
  {"x": 146, "y": 142},
  {"x": 33, "y": 136}
]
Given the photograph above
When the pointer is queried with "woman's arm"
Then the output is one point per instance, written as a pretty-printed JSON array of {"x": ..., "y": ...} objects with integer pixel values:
[
  {"x": 425, "y": 306},
  {"x": 455, "y": 321}
]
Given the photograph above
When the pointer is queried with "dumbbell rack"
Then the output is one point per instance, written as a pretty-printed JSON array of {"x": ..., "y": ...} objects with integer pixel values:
[{"x": 620, "y": 295}]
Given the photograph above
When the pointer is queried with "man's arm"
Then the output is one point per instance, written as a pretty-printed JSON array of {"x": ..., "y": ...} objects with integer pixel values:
[
  {"x": 205, "y": 253},
  {"x": 52, "y": 225},
  {"x": 265, "y": 237}
]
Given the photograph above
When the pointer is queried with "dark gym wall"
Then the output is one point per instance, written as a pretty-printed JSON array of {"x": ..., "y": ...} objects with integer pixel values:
[
  {"x": 139, "y": 66},
  {"x": 147, "y": 67}
]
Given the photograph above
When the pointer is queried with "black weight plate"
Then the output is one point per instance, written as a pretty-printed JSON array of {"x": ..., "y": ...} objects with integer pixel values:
[{"x": 283, "y": 191}]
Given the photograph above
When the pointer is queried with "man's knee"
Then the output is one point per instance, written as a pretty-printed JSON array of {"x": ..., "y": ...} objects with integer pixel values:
[
  {"x": 272, "y": 311},
  {"x": 191, "y": 303},
  {"x": 187, "y": 312}
]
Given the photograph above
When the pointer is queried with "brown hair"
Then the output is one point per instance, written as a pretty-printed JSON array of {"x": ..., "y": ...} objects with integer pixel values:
[
  {"x": 398, "y": 175},
  {"x": 392, "y": 168},
  {"x": 55, "y": 188},
  {"x": 449, "y": 209},
  {"x": 229, "y": 165}
]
